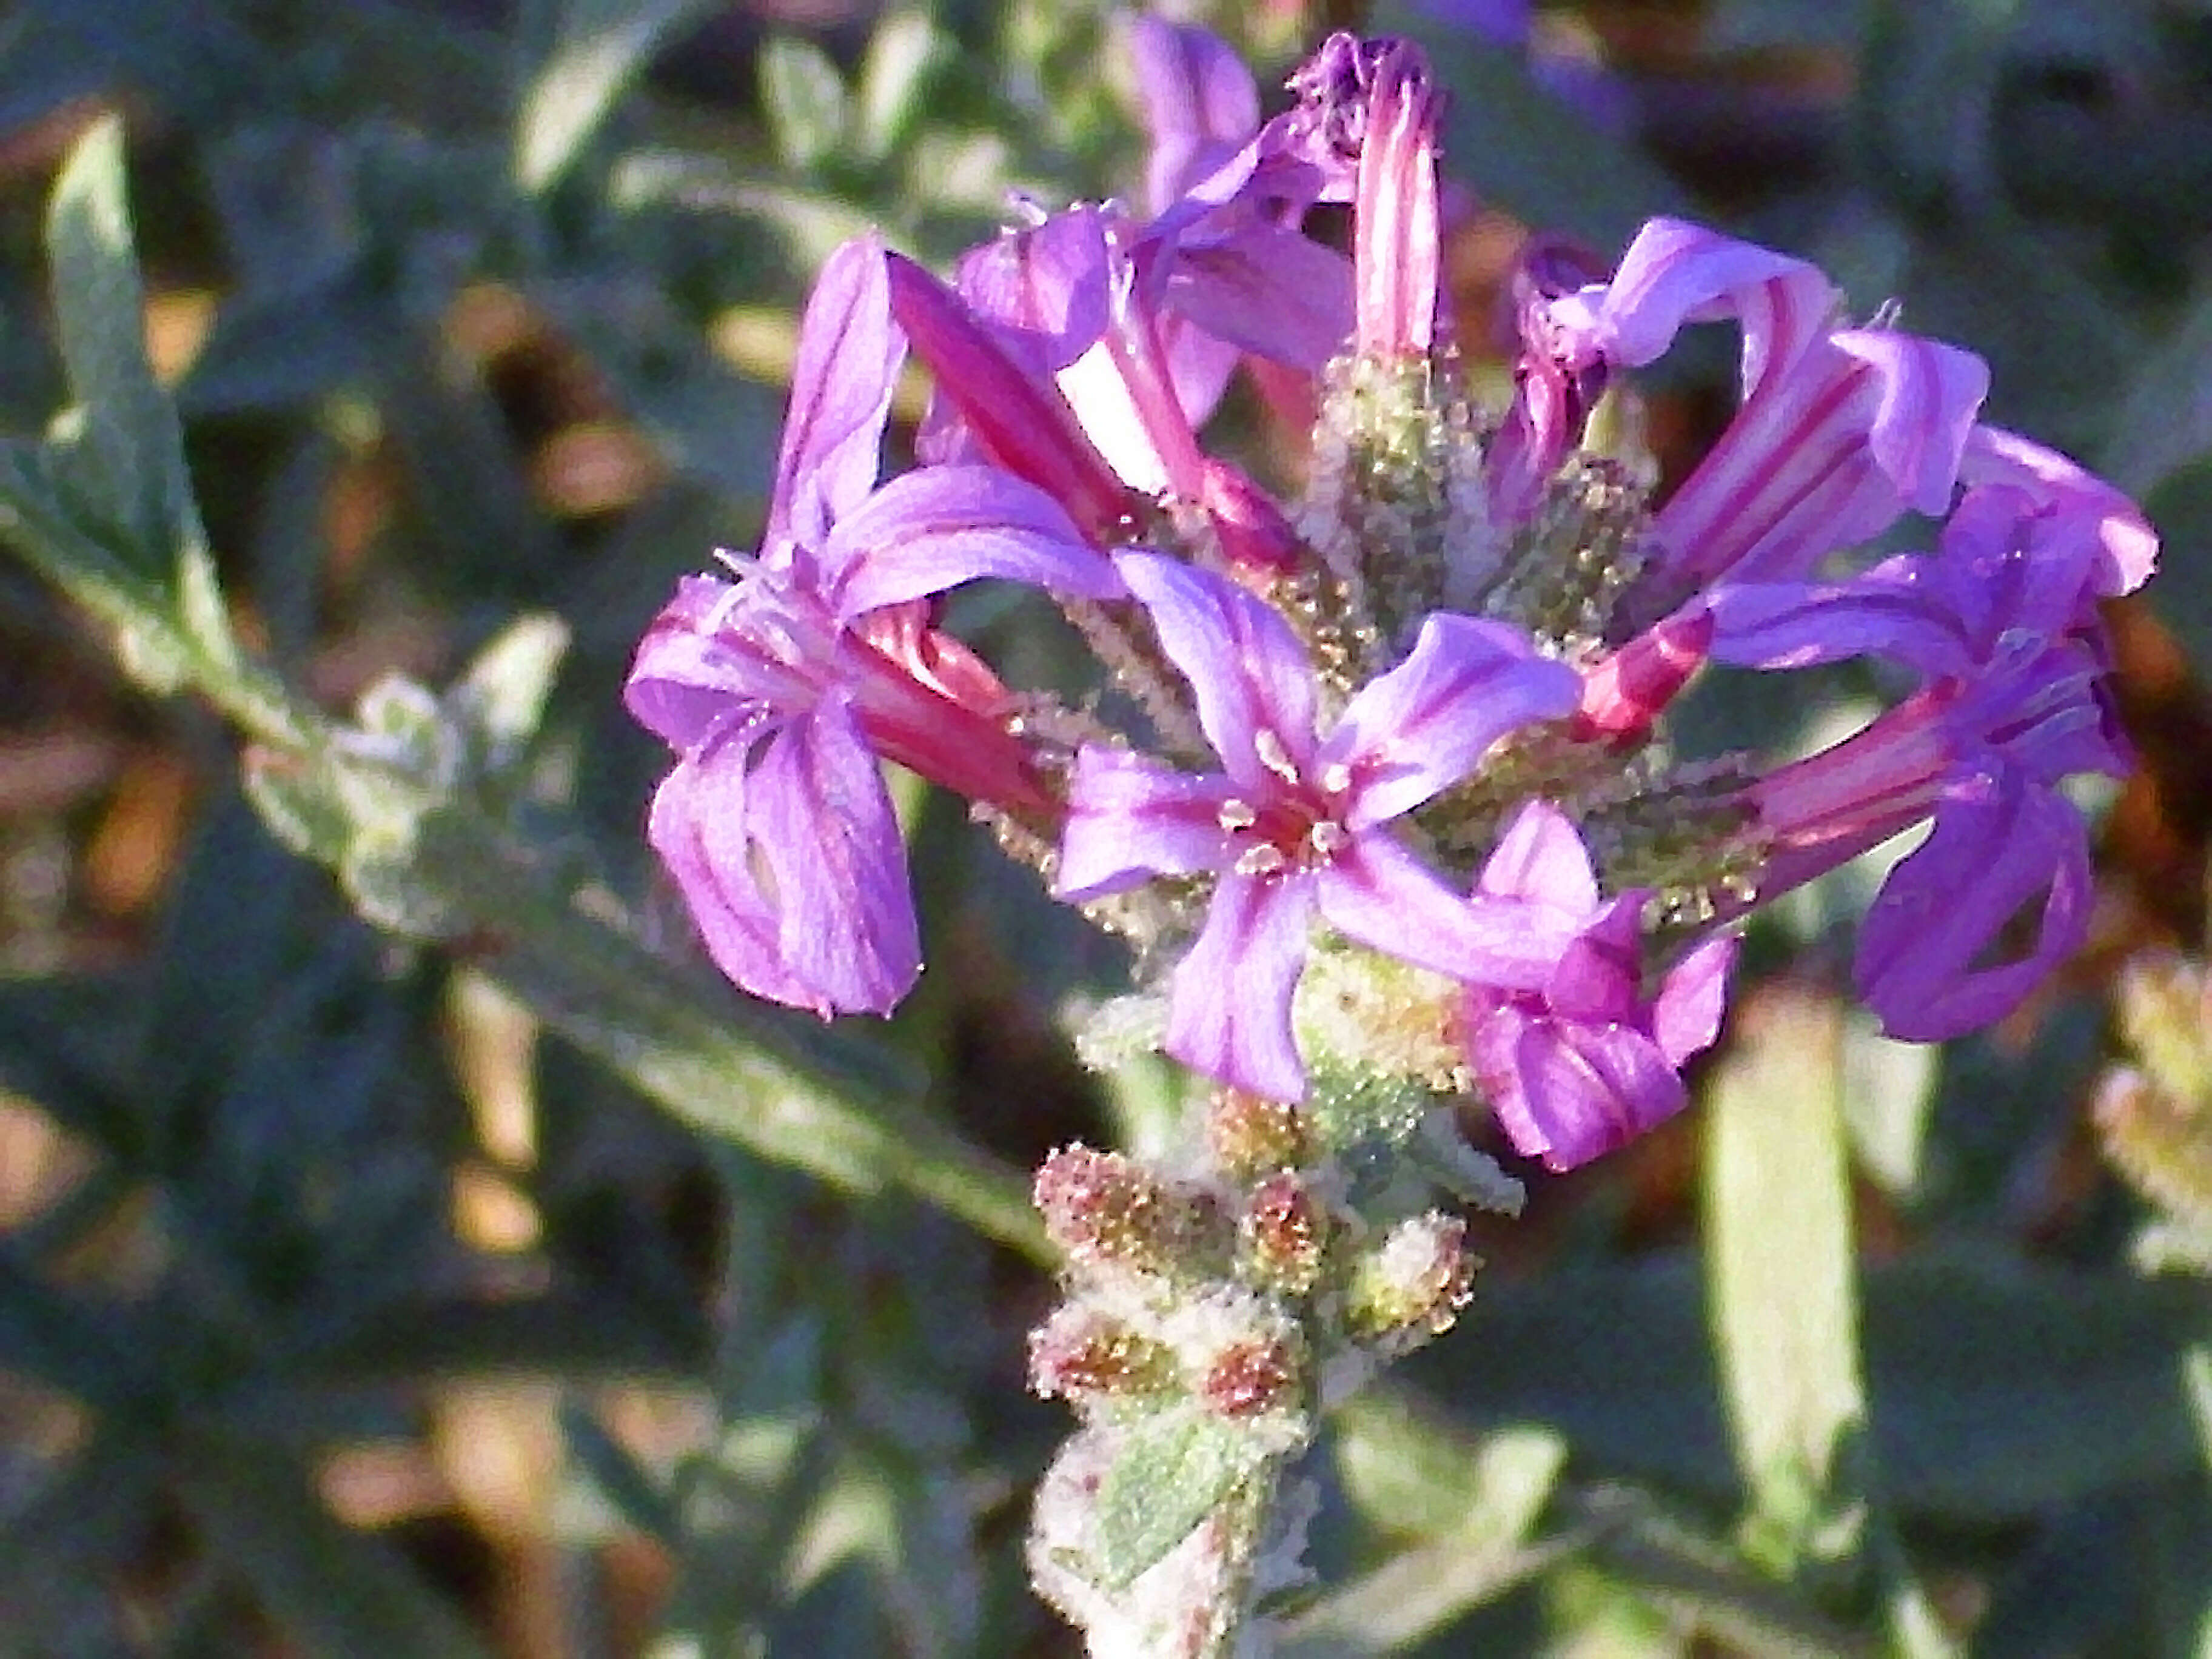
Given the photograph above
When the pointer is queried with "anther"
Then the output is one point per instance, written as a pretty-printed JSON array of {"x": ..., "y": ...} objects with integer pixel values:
[
  {"x": 1266, "y": 858},
  {"x": 1273, "y": 755}
]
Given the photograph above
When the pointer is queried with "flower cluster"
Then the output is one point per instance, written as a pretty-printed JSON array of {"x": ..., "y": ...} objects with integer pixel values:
[
  {"x": 1394, "y": 822},
  {"x": 1404, "y": 728}
]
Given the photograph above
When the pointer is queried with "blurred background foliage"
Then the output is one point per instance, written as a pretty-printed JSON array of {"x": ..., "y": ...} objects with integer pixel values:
[{"x": 434, "y": 1261}]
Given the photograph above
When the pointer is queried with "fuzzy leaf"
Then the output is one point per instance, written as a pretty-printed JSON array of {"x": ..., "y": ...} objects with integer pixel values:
[
  {"x": 1782, "y": 1299},
  {"x": 1172, "y": 1472},
  {"x": 129, "y": 452},
  {"x": 500, "y": 697}
]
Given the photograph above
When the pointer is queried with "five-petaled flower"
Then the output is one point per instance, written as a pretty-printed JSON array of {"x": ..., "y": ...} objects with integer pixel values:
[
  {"x": 781, "y": 689},
  {"x": 1297, "y": 823}
]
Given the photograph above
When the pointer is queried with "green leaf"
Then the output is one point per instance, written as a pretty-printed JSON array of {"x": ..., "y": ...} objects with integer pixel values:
[
  {"x": 1702, "y": 1586},
  {"x": 1976, "y": 1365},
  {"x": 2165, "y": 421},
  {"x": 718, "y": 428},
  {"x": 117, "y": 456},
  {"x": 1409, "y": 1470},
  {"x": 1171, "y": 1472},
  {"x": 1782, "y": 1296},
  {"x": 1889, "y": 1093},
  {"x": 895, "y": 77},
  {"x": 2164, "y": 452},
  {"x": 83, "y": 1347},
  {"x": 64, "y": 1044},
  {"x": 282, "y": 350},
  {"x": 130, "y": 452},
  {"x": 1763, "y": 25},
  {"x": 599, "y": 47},
  {"x": 616, "y": 1476},
  {"x": 298, "y": 803},
  {"x": 76, "y": 1518},
  {"x": 805, "y": 98},
  {"x": 500, "y": 699},
  {"x": 197, "y": 64}
]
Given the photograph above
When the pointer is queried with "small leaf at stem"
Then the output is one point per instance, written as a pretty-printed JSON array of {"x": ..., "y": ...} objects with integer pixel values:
[{"x": 1171, "y": 1472}]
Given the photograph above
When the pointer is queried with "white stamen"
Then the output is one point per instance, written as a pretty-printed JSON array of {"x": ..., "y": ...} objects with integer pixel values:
[{"x": 1266, "y": 858}]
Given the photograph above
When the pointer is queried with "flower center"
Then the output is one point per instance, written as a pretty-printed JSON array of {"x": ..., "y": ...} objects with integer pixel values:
[{"x": 1294, "y": 829}]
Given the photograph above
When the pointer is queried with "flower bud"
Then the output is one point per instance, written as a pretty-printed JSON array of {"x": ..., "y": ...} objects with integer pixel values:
[
  {"x": 1250, "y": 1378},
  {"x": 1396, "y": 236},
  {"x": 1413, "y": 1285},
  {"x": 1105, "y": 1211},
  {"x": 1253, "y": 1134},
  {"x": 1257, "y": 542},
  {"x": 2165, "y": 1005},
  {"x": 1624, "y": 696},
  {"x": 1281, "y": 1234},
  {"x": 1021, "y": 422},
  {"x": 1087, "y": 1358}
]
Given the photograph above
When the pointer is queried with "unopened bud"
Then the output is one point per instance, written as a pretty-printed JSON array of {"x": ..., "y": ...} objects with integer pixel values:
[
  {"x": 1413, "y": 1285},
  {"x": 1253, "y": 1135},
  {"x": 1624, "y": 696},
  {"x": 1281, "y": 1232},
  {"x": 1084, "y": 1357},
  {"x": 1397, "y": 232},
  {"x": 1257, "y": 542},
  {"x": 1019, "y": 420},
  {"x": 1250, "y": 1378},
  {"x": 1104, "y": 1210},
  {"x": 2165, "y": 1005}
]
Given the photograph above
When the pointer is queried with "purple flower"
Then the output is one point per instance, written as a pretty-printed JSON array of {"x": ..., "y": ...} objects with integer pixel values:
[
  {"x": 1200, "y": 103},
  {"x": 1999, "y": 628},
  {"x": 1397, "y": 232},
  {"x": 2125, "y": 547},
  {"x": 1140, "y": 329},
  {"x": 1840, "y": 429},
  {"x": 1296, "y": 824},
  {"x": 1058, "y": 368},
  {"x": 779, "y": 690},
  {"x": 996, "y": 401},
  {"x": 1224, "y": 259},
  {"x": 1584, "y": 1063},
  {"x": 1557, "y": 380}
]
